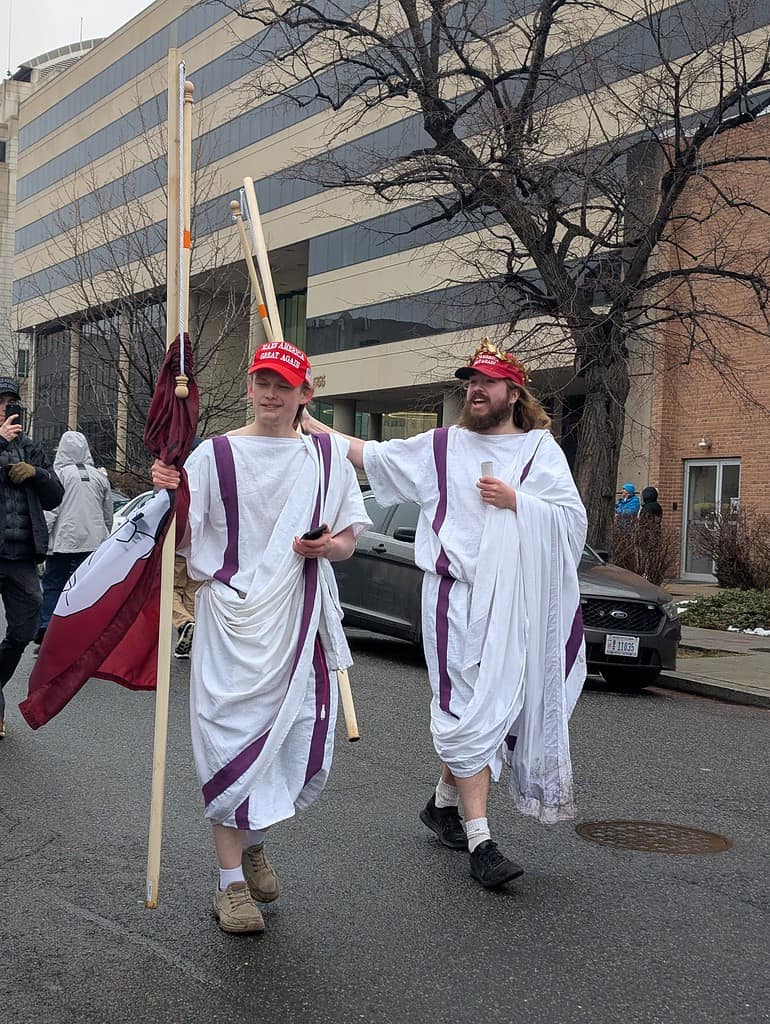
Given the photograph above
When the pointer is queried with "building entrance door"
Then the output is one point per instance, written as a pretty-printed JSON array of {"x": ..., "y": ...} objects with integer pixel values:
[{"x": 711, "y": 486}]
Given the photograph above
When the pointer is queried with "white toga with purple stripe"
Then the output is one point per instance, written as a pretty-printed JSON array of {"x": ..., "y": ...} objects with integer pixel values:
[
  {"x": 502, "y": 628},
  {"x": 267, "y": 621}
]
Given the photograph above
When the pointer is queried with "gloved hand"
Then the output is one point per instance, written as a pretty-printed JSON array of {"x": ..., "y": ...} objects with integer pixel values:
[{"x": 20, "y": 471}]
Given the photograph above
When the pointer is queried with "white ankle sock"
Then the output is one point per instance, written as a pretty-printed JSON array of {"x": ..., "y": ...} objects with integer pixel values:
[
  {"x": 254, "y": 837},
  {"x": 229, "y": 875},
  {"x": 446, "y": 795},
  {"x": 477, "y": 831}
]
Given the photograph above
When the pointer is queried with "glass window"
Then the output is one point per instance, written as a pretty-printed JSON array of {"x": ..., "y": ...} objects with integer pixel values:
[
  {"x": 376, "y": 513},
  {"x": 407, "y": 424},
  {"x": 404, "y": 518}
]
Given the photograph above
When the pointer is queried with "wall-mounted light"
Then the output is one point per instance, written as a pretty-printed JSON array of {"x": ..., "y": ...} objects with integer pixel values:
[{"x": 704, "y": 444}]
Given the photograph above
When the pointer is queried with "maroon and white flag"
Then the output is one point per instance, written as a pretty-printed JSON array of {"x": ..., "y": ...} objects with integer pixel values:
[{"x": 106, "y": 621}]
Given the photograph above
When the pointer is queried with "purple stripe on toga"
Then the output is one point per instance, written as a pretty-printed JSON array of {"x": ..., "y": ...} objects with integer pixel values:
[
  {"x": 573, "y": 642},
  {"x": 321, "y": 727},
  {"x": 442, "y": 644},
  {"x": 440, "y": 442},
  {"x": 525, "y": 471},
  {"x": 233, "y": 770},
  {"x": 242, "y": 815},
  {"x": 228, "y": 488}
]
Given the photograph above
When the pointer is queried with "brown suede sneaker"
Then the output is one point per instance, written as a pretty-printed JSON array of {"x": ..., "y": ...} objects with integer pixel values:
[
  {"x": 2, "y": 728},
  {"x": 236, "y": 911},
  {"x": 262, "y": 879}
]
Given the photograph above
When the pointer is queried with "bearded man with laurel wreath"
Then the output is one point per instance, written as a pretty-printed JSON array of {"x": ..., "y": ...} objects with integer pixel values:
[
  {"x": 269, "y": 510},
  {"x": 499, "y": 538}
]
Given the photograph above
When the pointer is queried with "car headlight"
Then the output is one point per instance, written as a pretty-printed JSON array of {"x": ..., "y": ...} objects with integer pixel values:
[{"x": 669, "y": 610}]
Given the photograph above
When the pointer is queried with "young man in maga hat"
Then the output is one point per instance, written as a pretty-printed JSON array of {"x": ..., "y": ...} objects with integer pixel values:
[
  {"x": 499, "y": 538},
  {"x": 268, "y": 632}
]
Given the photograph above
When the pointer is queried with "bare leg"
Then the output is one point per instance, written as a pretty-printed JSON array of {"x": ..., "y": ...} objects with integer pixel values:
[
  {"x": 474, "y": 792},
  {"x": 228, "y": 843}
]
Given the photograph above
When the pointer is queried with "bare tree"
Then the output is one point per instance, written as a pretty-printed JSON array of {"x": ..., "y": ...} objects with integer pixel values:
[
  {"x": 576, "y": 143},
  {"x": 111, "y": 245}
]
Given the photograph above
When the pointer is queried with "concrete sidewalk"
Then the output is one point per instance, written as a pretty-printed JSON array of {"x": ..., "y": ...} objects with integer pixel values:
[
  {"x": 727, "y": 666},
  {"x": 715, "y": 663}
]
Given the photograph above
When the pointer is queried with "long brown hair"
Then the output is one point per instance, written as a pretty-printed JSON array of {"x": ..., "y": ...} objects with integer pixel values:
[{"x": 528, "y": 413}]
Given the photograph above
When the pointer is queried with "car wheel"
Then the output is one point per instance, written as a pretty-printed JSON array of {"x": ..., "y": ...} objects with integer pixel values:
[{"x": 630, "y": 678}]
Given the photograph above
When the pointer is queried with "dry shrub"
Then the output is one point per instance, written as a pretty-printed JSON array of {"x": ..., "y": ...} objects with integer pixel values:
[
  {"x": 739, "y": 544},
  {"x": 647, "y": 547}
]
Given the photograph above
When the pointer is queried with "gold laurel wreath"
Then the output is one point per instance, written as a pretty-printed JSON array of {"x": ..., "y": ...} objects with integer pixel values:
[{"x": 487, "y": 348}]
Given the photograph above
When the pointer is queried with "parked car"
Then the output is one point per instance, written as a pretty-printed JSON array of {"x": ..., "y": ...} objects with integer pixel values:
[
  {"x": 631, "y": 626},
  {"x": 118, "y": 499},
  {"x": 131, "y": 505}
]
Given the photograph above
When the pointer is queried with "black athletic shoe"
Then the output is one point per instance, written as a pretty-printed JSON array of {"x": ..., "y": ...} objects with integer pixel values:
[
  {"x": 491, "y": 868},
  {"x": 446, "y": 823}
]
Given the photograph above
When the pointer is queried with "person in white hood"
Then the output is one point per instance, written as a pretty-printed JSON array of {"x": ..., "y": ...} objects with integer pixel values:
[{"x": 80, "y": 523}]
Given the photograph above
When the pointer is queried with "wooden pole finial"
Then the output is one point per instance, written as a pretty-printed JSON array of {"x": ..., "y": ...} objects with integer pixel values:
[{"x": 182, "y": 390}]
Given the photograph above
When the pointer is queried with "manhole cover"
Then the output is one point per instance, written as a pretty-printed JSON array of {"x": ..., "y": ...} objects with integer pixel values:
[{"x": 652, "y": 837}]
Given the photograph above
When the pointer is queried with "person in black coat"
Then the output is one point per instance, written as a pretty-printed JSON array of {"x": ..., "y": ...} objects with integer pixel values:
[
  {"x": 28, "y": 485},
  {"x": 651, "y": 509}
]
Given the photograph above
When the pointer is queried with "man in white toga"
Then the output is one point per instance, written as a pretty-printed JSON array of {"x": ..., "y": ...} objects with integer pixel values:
[
  {"x": 268, "y": 632},
  {"x": 499, "y": 537}
]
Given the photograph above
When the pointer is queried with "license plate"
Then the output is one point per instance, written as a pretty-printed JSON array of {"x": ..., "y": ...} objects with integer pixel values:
[{"x": 624, "y": 646}]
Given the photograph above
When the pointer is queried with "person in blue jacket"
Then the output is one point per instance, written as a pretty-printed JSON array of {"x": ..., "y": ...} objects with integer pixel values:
[{"x": 629, "y": 504}]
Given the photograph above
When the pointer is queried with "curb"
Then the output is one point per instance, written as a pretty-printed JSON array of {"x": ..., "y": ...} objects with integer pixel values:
[{"x": 708, "y": 688}]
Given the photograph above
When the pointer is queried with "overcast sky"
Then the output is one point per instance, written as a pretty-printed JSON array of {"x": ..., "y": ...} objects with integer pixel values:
[{"x": 40, "y": 25}]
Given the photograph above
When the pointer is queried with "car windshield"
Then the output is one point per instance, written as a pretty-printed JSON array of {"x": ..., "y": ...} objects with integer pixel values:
[{"x": 590, "y": 556}]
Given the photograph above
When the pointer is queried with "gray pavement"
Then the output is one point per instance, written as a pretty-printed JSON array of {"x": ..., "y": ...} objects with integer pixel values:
[{"x": 377, "y": 922}]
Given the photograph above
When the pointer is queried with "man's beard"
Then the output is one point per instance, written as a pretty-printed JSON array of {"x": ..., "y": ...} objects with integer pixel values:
[{"x": 492, "y": 416}]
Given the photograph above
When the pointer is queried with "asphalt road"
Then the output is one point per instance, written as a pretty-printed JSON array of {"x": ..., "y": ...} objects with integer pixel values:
[{"x": 377, "y": 922}]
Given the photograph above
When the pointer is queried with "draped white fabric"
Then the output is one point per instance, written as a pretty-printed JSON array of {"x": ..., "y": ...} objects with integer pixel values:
[
  {"x": 500, "y": 596},
  {"x": 260, "y": 700}
]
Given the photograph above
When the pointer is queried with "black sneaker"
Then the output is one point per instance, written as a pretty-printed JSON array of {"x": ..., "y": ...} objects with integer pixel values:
[
  {"x": 491, "y": 868},
  {"x": 446, "y": 823},
  {"x": 184, "y": 640}
]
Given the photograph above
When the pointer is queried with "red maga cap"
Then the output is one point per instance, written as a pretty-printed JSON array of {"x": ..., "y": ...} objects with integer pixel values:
[
  {"x": 285, "y": 359},
  {"x": 493, "y": 363}
]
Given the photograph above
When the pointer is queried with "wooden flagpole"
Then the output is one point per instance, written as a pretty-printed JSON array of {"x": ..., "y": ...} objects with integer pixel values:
[
  {"x": 256, "y": 291},
  {"x": 178, "y": 248},
  {"x": 260, "y": 251}
]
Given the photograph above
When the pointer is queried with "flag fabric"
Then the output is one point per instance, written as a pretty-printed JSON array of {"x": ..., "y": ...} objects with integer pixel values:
[{"x": 105, "y": 624}]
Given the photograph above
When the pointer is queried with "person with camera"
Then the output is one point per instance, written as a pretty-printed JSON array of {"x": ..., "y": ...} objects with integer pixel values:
[{"x": 28, "y": 486}]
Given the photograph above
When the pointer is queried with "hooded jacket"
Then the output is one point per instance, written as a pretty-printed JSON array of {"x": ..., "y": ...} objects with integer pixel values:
[
  {"x": 84, "y": 517},
  {"x": 651, "y": 508}
]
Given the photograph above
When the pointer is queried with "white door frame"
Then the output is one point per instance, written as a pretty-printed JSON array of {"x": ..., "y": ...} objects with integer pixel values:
[{"x": 719, "y": 464}]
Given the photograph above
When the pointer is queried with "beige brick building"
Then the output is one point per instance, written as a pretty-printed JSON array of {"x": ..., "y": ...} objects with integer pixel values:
[
  {"x": 375, "y": 304},
  {"x": 711, "y": 411}
]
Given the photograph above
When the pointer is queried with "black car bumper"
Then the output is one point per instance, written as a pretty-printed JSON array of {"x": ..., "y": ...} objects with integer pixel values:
[{"x": 656, "y": 650}]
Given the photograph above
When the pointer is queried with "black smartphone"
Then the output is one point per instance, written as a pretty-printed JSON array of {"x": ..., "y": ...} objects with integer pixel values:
[
  {"x": 14, "y": 409},
  {"x": 314, "y": 534}
]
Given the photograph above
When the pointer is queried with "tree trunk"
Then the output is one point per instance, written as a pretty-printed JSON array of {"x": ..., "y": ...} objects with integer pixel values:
[{"x": 600, "y": 432}]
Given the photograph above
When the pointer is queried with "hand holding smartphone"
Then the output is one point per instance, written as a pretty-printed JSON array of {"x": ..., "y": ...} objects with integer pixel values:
[
  {"x": 13, "y": 409},
  {"x": 315, "y": 534}
]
